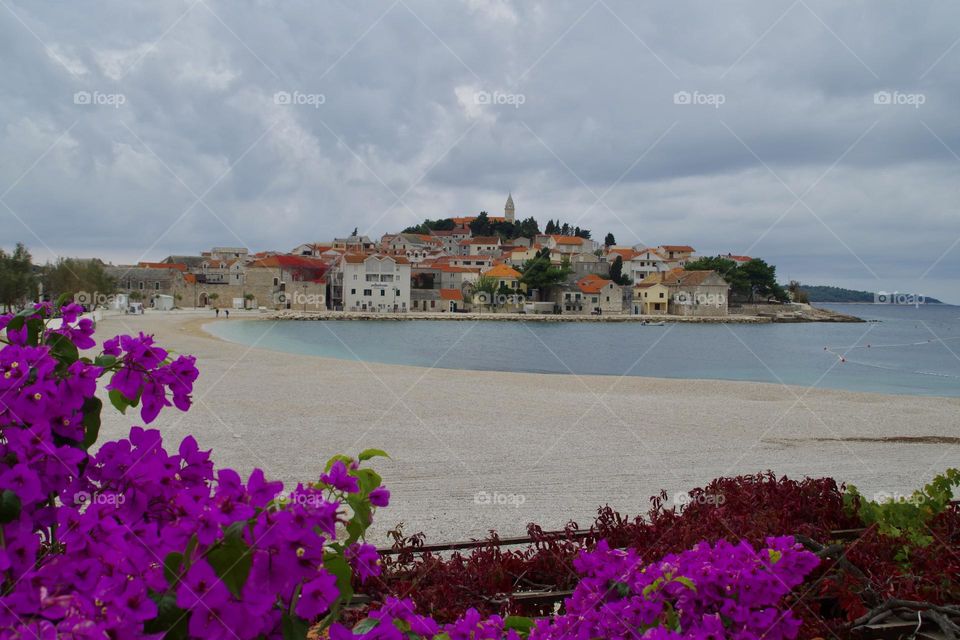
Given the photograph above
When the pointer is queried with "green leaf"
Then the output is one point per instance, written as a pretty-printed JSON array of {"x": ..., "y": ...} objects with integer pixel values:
[
  {"x": 231, "y": 559},
  {"x": 105, "y": 361},
  {"x": 119, "y": 400},
  {"x": 62, "y": 349},
  {"x": 368, "y": 478},
  {"x": 336, "y": 564},
  {"x": 365, "y": 626},
  {"x": 362, "y": 517},
  {"x": 171, "y": 567},
  {"x": 342, "y": 458},
  {"x": 9, "y": 506},
  {"x": 34, "y": 330},
  {"x": 188, "y": 552},
  {"x": 687, "y": 582},
  {"x": 653, "y": 586},
  {"x": 91, "y": 421},
  {"x": 367, "y": 454},
  {"x": 171, "y": 619},
  {"x": 520, "y": 624},
  {"x": 293, "y": 627}
]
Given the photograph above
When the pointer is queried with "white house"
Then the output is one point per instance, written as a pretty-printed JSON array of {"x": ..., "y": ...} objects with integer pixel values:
[
  {"x": 644, "y": 262},
  {"x": 375, "y": 282},
  {"x": 481, "y": 246},
  {"x": 567, "y": 244}
]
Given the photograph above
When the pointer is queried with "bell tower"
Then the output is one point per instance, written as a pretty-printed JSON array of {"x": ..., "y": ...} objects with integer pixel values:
[{"x": 509, "y": 213}]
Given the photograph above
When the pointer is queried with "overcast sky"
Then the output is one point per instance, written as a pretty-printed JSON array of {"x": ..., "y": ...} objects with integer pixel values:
[{"x": 821, "y": 136}]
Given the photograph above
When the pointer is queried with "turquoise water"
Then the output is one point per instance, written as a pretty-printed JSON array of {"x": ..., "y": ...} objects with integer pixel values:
[{"x": 914, "y": 351}]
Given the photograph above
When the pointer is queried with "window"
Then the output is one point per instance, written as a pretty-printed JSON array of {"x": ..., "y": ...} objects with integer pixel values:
[
  {"x": 156, "y": 286},
  {"x": 367, "y": 292},
  {"x": 383, "y": 292},
  {"x": 141, "y": 285},
  {"x": 353, "y": 292},
  {"x": 433, "y": 304},
  {"x": 276, "y": 281}
]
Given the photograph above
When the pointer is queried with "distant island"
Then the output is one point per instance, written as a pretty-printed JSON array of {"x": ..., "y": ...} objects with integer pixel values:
[{"x": 839, "y": 294}]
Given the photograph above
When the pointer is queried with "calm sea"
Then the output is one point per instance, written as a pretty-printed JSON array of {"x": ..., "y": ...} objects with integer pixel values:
[{"x": 908, "y": 350}]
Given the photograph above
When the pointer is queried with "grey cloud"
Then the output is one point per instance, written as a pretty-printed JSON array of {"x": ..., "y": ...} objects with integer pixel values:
[{"x": 398, "y": 114}]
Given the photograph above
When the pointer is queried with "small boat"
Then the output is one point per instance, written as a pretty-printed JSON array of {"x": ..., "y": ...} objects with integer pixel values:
[{"x": 661, "y": 323}]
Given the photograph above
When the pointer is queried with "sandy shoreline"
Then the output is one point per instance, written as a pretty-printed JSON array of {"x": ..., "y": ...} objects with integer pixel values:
[{"x": 559, "y": 445}]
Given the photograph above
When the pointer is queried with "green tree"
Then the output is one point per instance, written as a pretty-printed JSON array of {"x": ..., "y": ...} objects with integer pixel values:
[
  {"x": 529, "y": 227},
  {"x": 73, "y": 275},
  {"x": 428, "y": 225},
  {"x": 540, "y": 273},
  {"x": 487, "y": 286},
  {"x": 752, "y": 281},
  {"x": 481, "y": 225},
  {"x": 18, "y": 284},
  {"x": 762, "y": 280},
  {"x": 609, "y": 241},
  {"x": 797, "y": 294},
  {"x": 616, "y": 272},
  {"x": 724, "y": 266}
]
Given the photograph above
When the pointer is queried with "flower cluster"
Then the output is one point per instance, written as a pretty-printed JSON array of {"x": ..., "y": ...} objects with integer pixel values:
[
  {"x": 147, "y": 375},
  {"x": 137, "y": 541},
  {"x": 711, "y": 591}
]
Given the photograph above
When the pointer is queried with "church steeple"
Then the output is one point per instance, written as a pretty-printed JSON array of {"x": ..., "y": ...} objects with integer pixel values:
[{"x": 508, "y": 210}]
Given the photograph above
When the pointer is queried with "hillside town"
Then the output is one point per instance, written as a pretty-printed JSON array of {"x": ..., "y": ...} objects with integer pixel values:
[{"x": 474, "y": 264}]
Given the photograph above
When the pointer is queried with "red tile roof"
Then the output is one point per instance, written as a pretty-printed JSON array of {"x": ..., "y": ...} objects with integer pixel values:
[
  {"x": 592, "y": 283},
  {"x": 451, "y": 294},
  {"x": 502, "y": 271}
]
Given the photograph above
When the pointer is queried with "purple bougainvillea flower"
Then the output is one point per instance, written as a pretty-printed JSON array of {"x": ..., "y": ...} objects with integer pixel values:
[
  {"x": 380, "y": 497},
  {"x": 339, "y": 478},
  {"x": 317, "y": 595}
]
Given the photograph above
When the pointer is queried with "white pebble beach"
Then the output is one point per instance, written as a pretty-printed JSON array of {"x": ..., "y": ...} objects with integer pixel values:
[{"x": 477, "y": 450}]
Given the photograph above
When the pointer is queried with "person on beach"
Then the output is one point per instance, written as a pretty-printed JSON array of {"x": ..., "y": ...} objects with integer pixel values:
[
  {"x": 217, "y": 311},
  {"x": 227, "y": 312}
]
